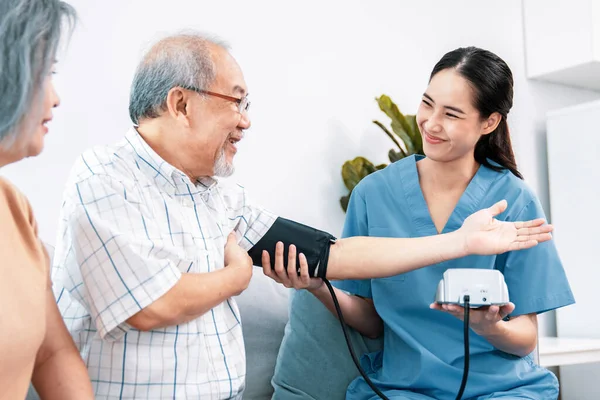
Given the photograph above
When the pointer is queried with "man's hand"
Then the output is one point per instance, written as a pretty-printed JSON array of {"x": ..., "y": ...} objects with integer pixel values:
[
  {"x": 485, "y": 235},
  {"x": 289, "y": 277},
  {"x": 196, "y": 293},
  {"x": 238, "y": 259}
]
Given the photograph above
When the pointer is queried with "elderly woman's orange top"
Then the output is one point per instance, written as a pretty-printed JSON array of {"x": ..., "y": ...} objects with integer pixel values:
[{"x": 23, "y": 282}]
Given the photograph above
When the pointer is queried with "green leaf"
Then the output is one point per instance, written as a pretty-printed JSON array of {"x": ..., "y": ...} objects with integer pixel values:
[
  {"x": 344, "y": 200},
  {"x": 395, "y": 155},
  {"x": 402, "y": 134},
  {"x": 387, "y": 132},
  {"x": 354, "y": 171},
  {"x": 403, "y": 127},
  {"x": 415, "y": 133},
  {"x": 400, "y": 125}
]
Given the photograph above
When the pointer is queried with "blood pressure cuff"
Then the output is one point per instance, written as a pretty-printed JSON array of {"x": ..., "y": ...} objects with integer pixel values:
[{"x": 313, "y": 243}]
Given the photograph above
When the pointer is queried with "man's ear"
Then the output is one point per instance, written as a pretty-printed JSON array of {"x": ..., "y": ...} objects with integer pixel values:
[
  {"x": 491, "y": 123},
  {"x": 177, "y": 104}
]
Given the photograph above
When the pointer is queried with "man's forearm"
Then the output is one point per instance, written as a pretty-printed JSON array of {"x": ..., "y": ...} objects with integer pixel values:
[
  {"x": 59, "y": 371},
  {"x": 367, "y": 257},
  {"x": 200, "y": 292},
  {"x": 194, "y": 295}
]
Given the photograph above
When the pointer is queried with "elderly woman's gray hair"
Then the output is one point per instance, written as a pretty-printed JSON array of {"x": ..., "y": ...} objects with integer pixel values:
[
  {"x": 182, "y": 60},
  {"x": 30, "y": 32}
]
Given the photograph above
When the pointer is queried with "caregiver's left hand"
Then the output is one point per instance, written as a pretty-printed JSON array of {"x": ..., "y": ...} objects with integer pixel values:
[{"x": 482, "y": 320}]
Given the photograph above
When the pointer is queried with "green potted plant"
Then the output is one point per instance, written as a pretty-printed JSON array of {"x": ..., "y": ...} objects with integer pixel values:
[{"x": 405, "y": 135}]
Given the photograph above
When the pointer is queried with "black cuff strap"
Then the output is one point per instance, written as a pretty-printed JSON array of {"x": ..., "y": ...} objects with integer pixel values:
[{"x": 313, "y": 243}]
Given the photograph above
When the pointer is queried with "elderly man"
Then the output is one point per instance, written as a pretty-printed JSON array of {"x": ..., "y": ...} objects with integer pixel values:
[{"x": 152, "y": 246}]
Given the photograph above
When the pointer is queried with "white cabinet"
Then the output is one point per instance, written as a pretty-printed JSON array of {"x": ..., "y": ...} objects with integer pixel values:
[
  {"x": 562, "y": 41},
  {"x": 574, "y": 183}
]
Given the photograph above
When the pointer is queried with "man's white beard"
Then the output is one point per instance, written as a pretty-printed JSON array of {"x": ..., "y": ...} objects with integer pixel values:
[{"x": 222, "y": 168}]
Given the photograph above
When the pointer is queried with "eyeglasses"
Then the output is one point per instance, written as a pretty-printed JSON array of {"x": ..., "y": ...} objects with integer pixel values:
[{"x": 243, "y": 103}]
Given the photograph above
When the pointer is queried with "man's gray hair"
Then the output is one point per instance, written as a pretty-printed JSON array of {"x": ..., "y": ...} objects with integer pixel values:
[
  {"x": 182, "y": 60},
  {"x": 30, "y": 32}
]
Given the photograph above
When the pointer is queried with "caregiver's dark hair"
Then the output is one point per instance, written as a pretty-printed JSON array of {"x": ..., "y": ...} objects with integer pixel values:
[{"x": 492, "y": 83}]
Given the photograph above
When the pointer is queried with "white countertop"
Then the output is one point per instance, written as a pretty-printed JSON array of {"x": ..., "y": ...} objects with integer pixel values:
[{"x": 567, "y": 351}]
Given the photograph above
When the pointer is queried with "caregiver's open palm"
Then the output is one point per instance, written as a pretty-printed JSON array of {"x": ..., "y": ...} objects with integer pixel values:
[{"x": 486, "y": 235}]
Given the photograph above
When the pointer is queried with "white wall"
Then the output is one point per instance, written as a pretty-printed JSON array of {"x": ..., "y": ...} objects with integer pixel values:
[
  {"x": 576, "y": 241},
  {"x": 313, "y": 69}
]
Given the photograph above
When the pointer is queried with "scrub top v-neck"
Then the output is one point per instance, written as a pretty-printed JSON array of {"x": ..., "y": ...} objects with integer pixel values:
[{"x": 423, "y": 352}]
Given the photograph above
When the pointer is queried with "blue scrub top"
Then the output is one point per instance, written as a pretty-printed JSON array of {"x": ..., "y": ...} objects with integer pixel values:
[{"x": 423, "y": 352}]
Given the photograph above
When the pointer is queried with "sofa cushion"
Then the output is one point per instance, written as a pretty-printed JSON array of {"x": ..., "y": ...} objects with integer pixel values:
[
  {"x": 264, "y": 312},
  {"x": 314, "y": 361}
]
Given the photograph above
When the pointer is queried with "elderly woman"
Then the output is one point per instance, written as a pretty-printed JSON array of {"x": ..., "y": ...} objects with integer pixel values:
[{"x": 34, "y": 343}]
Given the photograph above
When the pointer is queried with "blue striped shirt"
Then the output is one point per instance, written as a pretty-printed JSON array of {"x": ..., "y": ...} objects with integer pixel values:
[{"x": 130, "y": 225}]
